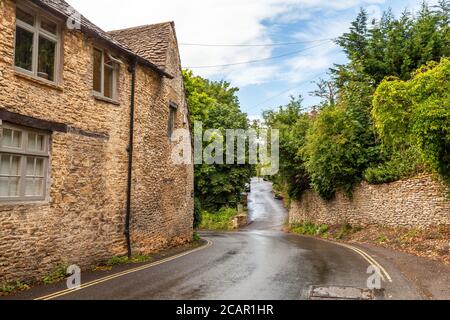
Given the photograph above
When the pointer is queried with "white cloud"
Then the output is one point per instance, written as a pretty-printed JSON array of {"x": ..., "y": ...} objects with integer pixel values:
[
  {"x": 256, "y": 118},
  {"x": 223, "y": 21},
  {"x": 252, "y": 75},
  {"x": 320, "y": 58}
]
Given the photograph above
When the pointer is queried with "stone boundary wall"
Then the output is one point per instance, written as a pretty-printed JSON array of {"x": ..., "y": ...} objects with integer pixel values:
[{"x": 418, "y": 202}]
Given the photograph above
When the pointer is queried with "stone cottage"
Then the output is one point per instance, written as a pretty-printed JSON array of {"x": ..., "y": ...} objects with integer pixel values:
[{"x": 86, "y": 119}]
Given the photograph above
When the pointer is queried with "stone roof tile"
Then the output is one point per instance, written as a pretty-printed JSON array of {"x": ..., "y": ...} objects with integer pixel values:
[{"x": 150, "y": 41}]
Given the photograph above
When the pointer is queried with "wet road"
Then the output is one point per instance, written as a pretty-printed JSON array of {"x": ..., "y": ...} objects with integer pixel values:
[{"x": 260, "y": 262}]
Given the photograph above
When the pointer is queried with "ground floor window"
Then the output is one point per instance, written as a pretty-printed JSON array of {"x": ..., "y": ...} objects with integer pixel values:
[{"x": 24, "y": 158}]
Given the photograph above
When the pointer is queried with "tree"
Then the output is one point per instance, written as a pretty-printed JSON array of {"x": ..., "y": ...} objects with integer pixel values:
[
  {"x": 327, "y": 91},
  {"x": 416, "y": 114},
  {"x": 293, "y": 123},
  {"x": 340, "y": 145},
  {"x": 216, "y": 106}
]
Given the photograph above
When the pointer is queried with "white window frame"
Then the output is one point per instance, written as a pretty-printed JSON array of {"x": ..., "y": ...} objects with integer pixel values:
[
  {"x": 23, "y": 152},
  {"x": 39, "y": 32},
  {"x": 115, "y": 76}
]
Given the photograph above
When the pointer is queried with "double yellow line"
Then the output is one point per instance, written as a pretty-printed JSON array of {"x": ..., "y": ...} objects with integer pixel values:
[
  {"x": 384, "y": 274},
  {"x": 121, "y": 274}
]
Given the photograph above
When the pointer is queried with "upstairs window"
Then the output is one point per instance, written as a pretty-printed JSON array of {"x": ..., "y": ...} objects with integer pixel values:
[
  {"x": 24, "y": 157},
  {"x": 36, "y": 44},
  {"x": 105, "y": 74}
]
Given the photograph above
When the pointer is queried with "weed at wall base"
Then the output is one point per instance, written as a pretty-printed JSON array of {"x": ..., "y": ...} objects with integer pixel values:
[{"x": 13, "y": 287}]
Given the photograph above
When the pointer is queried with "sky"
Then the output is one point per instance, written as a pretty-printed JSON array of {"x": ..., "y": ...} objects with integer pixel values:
[{"x": 291, "y": 40}]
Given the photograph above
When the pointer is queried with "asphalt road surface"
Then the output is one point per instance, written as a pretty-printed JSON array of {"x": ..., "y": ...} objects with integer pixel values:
[{"x": 260, "y": 262}]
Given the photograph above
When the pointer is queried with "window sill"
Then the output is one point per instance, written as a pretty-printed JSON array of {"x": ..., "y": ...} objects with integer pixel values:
[
  {"x": 39, "y": 81},
  {"x": 105, "y": 99},
  {"x": 23, "y": 203}
]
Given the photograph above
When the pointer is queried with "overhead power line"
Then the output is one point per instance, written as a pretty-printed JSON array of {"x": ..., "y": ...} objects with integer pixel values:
[
  {"x": 255, "y": 61},
  {"x": 254, "y": 45},
  {"x": 297, "y": 86}
]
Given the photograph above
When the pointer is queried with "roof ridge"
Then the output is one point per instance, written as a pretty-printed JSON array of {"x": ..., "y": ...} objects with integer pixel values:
[
  {"x": 142, "y": 26},
  {"x": 150, "y": 41}
]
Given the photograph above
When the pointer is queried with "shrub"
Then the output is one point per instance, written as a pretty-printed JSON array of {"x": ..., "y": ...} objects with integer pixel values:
[
  {"x": 196, "y": 237},
  {"x": 121, "y": 260},
  {"x": 336, "y": 155},
  {"x": 416, "y": 114},
  {"x": 310, "y": 229},
  {"x": 218, "y": 221},
  {"x": 344, "y": 231},
  {"x": 13, "y": 287},
  {"x": 60, "y": 273},
  {"x": 401, "y": 165}
]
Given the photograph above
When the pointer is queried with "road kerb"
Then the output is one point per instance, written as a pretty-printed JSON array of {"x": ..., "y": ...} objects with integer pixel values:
[{"x": 123, "y": 273}]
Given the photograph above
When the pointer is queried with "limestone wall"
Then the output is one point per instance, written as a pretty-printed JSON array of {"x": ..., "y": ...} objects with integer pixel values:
[{"x": 414, "y": 203}]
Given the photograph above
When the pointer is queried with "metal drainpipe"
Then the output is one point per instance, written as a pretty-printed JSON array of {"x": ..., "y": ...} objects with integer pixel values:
[{"x": 132, "y": 70}]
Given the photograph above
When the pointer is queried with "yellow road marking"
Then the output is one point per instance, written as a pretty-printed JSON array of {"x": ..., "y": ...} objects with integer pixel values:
[
  {"x": 123, "y": 273},
  {"x": 375, "y": 262},
  {"x": 384, "y": 274}
]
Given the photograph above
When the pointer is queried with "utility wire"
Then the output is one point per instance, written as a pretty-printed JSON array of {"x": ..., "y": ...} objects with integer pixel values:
[
  {"x": 254, "y": 45},
  {"x": 301, "y": 84},
  {"x": 255, "y": 61}
]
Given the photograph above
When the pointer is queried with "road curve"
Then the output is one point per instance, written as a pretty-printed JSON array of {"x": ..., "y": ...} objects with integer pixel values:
[{"x": 260, "y": 262}]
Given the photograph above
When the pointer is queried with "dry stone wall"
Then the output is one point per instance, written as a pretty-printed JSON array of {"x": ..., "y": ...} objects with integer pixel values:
[{"x": 418, "y": 202}]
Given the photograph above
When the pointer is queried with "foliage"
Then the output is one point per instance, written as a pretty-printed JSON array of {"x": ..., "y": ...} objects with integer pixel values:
[
  {"x": 197, "y": 213},
  {"x": 216, "y": 105},
  {"x": 401, "y": 164},
  {"x": 310, "y": 229},
  {"x": 60, "y": 273},
  {"x": 416, "y": 114},
  {"x": 396, "y": 46},
  {"x": 327, "y": 91},
  {"x": 382, "y": 239},
  {"x": 336, "y": 232},
  {"x": 196, "y": 237},
  {"x": 121, "y": 260},
  {"x": 13, "y": 287},
  {"x": 218, "y": 221},
  {"x": 293, "y": 124},
  {"x": 343, "y": 231},
  {"x": 379, "y": 119},
  {"x": 336, "y": 151}
]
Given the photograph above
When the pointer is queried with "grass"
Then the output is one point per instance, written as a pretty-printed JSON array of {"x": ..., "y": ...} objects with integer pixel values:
[
  {"x": 138, "y": 258},
  {"x": 310, "y": 229},
  {"x": 337, "y": 232},
  {"x": 220, "y": 221},
  {"x": 60, "y": 273},
  {"x": 344, "y": 231},
  {"x": 122, "y": 260},
  {"x": 196, "y": 237},
  {"x": 382, "y": 239},
  {"x": 13, "y": 287}
]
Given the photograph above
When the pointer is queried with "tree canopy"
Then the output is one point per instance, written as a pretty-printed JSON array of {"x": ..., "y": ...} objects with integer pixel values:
[
  {"x": 216, "y": 106},
  {"x": 384, "y": 115}
]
